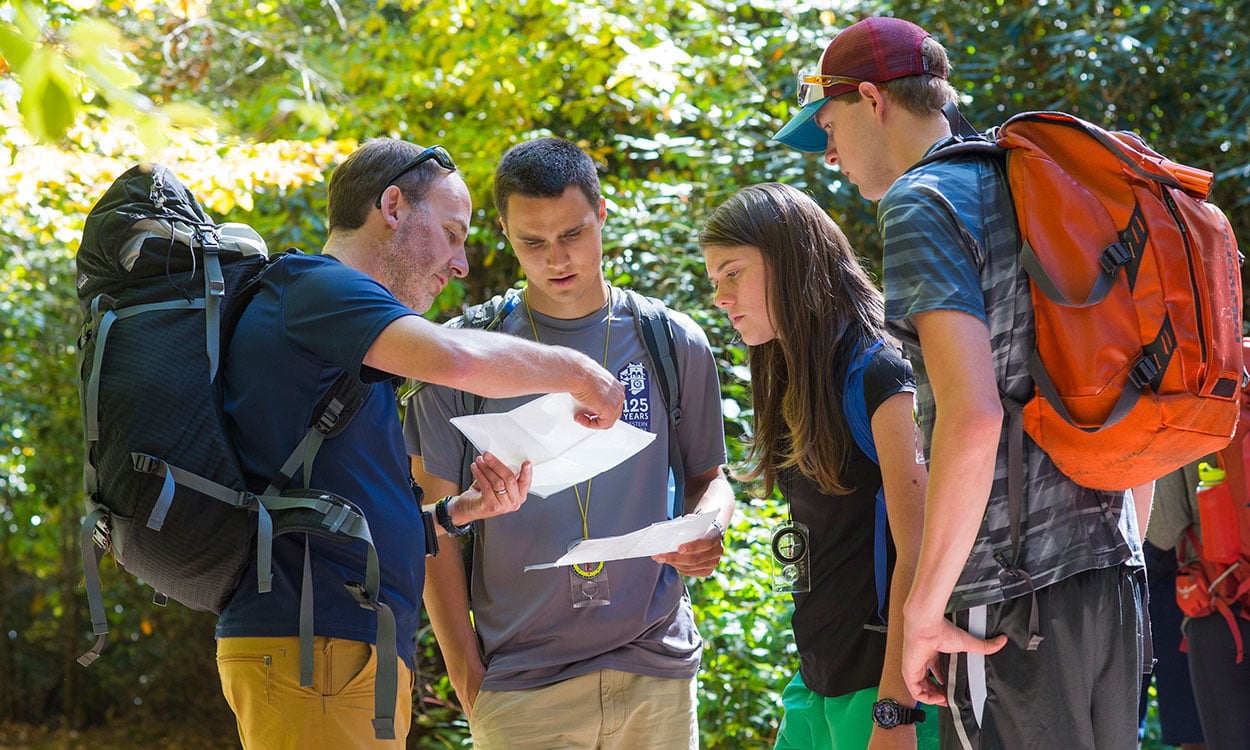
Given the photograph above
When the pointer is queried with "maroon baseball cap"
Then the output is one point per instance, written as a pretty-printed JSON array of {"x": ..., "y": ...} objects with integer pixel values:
[{"x": 875, "y": 49}]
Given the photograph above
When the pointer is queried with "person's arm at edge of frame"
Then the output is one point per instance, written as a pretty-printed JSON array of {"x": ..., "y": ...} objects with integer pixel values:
[
  {"x": 904, "y": 479},
  {"x": 495, "y": 365},
  {"x": 446, "y": 600},
  {"x": 708, "y": 492},
  {"x": 969, "y": 416}
]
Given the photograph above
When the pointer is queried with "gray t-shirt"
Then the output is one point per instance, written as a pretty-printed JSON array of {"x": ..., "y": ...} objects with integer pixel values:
[
  {"x": 530, "y": 632},
  {"x": 951, "y": 243}
]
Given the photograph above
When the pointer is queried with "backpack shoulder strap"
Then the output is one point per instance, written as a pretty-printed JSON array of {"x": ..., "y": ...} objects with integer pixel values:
[
  {"x": 854, "y": 405},
  {"x": 959, "y": 124},
  {"x": 488, "y": 316},
  {"x": 656, "y": 331},
  {"x": 855, "y": 410}
]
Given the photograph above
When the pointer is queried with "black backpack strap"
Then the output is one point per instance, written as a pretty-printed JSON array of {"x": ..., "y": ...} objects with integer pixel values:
[
  {"x": 959, "y": 124},
  {"x": 487, "y": 316},
  {"x": 656, "y": 331},
  {"x": 336, "y": 409}
]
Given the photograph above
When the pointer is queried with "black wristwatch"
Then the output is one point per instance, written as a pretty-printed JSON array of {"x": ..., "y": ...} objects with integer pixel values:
[
  {"x": 889, "y": 714},
  {"x": 444, "y": 519}
]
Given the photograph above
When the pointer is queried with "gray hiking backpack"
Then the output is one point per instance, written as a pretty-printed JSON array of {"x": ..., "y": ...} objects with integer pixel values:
[{"x": 161, "y": 287}]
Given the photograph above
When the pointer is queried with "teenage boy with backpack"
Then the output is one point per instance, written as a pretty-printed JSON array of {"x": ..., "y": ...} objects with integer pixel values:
[
  {"x": 604, "y": 655},
  {"x": 1052, "y": 635},
  {"x": 398, "y": 216}
]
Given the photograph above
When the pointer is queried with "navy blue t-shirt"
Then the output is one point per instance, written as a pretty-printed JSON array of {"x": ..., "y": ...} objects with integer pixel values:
[{"x": 313, "y": 318}]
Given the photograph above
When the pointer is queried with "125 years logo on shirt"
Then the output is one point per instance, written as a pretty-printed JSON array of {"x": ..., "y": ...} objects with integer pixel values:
[{"x": 637, "y": 381}]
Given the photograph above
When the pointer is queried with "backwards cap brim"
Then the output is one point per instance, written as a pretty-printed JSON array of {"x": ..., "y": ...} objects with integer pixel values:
[{"x": 802, "y": 132}]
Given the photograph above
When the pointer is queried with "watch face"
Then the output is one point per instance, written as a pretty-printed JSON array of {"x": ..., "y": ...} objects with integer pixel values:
[{"x": 885, "y": 713}]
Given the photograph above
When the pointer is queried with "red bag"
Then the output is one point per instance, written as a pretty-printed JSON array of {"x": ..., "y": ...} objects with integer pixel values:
[{"x": 1203, "y": 585}]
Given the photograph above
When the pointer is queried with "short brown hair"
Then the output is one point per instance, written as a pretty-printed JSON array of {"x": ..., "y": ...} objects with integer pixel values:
[{"x": 356, "y": 183}]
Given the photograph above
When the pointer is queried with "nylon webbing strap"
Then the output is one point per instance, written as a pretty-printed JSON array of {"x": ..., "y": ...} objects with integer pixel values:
[
  {"x": 1129, "y": 397},
  {"x": 306, "y": 622},
  {"x": 386, "y": 684},
  {"x": 344, "y": 399},
  {"x": 312, "y": 443},
  {"x": 293, "y": 462},
  {"x": 1015, "y": 471},
  {"x": 93, "y": 380},
  {"x": 214, "y": 291},
  {"x": 958, "y": 123},
  {"x": 264, "y": 548},
  {"x": 1047, "y": 286},
  {"x": 173, "y": 475},
  {"x": 1014, "y": 413},
  {"x": 91, "y": 556}
]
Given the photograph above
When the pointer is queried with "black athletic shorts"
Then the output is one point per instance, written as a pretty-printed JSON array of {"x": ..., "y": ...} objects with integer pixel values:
[{"x": 1077, "y": 691}]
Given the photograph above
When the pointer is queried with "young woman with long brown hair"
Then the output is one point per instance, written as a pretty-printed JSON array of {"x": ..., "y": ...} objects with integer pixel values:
[{"x": 833, "y": 429}]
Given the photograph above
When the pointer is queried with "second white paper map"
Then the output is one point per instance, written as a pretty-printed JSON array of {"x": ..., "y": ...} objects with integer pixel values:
[{"x": 544, "y": 433}]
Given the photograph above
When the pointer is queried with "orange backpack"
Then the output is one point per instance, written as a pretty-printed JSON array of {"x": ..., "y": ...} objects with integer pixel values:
[{"x": 1136, "y": 290}]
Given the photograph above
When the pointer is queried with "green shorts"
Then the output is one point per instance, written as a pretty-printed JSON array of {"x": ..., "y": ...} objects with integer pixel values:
[{"x": 841, "y": 723}]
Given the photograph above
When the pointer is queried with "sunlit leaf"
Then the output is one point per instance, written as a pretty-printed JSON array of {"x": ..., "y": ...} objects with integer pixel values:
[{"x": 48, "y": 102}]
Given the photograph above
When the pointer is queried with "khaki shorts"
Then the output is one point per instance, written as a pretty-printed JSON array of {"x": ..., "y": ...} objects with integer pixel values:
[
  {"x": 606, "y": 709},
  {"x": 260, "y": 679}
]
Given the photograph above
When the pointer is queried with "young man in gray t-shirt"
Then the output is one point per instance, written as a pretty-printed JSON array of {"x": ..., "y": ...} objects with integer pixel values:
[{"x": 598, "y": 655}]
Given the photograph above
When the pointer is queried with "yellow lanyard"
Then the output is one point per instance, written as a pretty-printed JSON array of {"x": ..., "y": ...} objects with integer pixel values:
[{"x": 583, "y": 507}]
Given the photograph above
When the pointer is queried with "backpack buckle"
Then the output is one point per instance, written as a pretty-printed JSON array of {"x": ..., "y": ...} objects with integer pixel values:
[
  {"x": 1008, "y": 567},
  {"x": 210, "y": 240},
  {"x": 1145, "y": 371},
  {"x": 361, "y": 595},
  {"x": 101, "y": 535},
  {"x": 1114, "y": 256},
  {"x": 144, "y": 463},
  {"x": 329, "y": 417}
]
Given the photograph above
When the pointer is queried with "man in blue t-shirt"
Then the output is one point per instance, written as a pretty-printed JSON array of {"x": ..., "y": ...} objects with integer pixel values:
[
  {"x": 602, "y": 655},
  {"x": 958, "y": 299},
  {"x": 398, "y": 217}
]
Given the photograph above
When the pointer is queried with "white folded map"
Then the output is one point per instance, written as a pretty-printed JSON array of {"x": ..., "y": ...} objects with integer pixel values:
[
  {"x": 656, "y": 539},
  {"x": 544, "y": 433}
]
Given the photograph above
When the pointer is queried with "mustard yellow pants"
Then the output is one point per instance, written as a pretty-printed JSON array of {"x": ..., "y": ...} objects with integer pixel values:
[{"x": 260, "y": 679}]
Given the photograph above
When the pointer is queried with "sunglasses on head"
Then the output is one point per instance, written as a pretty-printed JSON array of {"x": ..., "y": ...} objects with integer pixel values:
[
  {"x": 437, "y": 154},
  {"x": 812, "y": 87}
]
